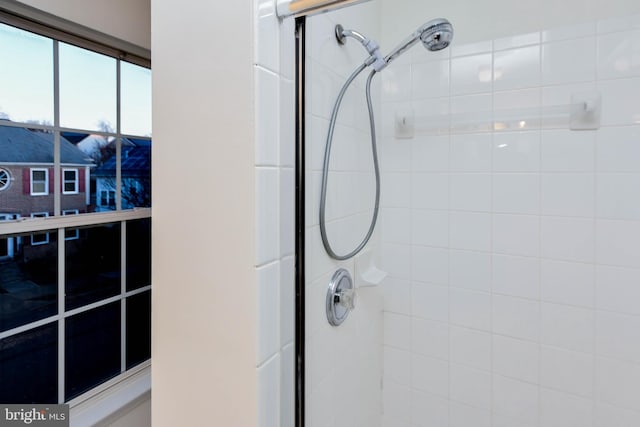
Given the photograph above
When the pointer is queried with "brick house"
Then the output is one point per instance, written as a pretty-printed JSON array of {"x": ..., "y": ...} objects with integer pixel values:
[{"x": 27, "y": 180}]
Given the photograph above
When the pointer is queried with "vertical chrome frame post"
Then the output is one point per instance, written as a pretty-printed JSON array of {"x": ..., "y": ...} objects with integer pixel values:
[{"x": 300, "y": 223}]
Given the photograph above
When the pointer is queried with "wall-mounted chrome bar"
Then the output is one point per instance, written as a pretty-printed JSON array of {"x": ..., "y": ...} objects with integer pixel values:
[{"x": 285, "y": 8}]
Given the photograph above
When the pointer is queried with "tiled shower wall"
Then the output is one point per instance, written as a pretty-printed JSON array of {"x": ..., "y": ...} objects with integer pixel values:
[
  {"x": 344, "y": 364},
  {"x": 343, "y": 367},
  {"x": 513, "y": 242}
]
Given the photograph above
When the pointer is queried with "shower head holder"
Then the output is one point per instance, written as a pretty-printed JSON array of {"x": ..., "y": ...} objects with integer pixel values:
[
  {"x": 375, "y": 60},
  {"x": 435, "y": 35}
]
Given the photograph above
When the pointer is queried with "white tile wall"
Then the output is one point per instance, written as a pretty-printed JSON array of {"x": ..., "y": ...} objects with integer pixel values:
[
  {"x": 565, "y": 286},
  {"x": 344, "y": 364},
  {"x": 516, "y": 68},
  {"x": 470, "y": 386},
  {"x": 515, "y": 289},
  {"x": 561, "y": 409},
  {"x": 274, "y": 178},
  {"x": 470, "y": 347},
  {"x": 428, "y": 302},
  {"x": 430, "y": 338},
  {"x": 269, "y": 397},
  {"x": 567, "y": 371},
  {"x": 268, "y": 293},
  {"x": 470, "y": 270},
  {"x": 428, "y": 410},
  {"x": 516, "y": 358},
  {"x": 461, "y": 415}
]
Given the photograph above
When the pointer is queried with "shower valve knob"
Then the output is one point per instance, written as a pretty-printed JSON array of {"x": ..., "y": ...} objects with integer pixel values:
[
  {"x": 346, "y": 298},
  {"x": 341, "y": 297}
]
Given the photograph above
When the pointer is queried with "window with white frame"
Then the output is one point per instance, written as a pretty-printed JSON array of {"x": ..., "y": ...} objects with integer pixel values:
[
  {"x": 5, "y": 179},
  {"x": 70, "y": 181},
  {"x": 39, "y": 182},
  {"x": 108, "y": 198},
  {"x": 71, "y": 233},
  {"x": 39, "y": 238},
  {"x": 68, "y": 109}
]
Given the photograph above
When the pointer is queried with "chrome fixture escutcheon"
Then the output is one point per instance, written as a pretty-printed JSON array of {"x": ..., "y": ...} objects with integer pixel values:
[{"x": 341, "y": 297}]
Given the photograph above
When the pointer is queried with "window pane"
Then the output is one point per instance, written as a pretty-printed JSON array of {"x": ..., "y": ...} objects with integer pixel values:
[
  {"x": 39, "y": 182},
  {"x": 39, "y": 187},
  {"x": 136, "y": 99},
  {"x": 71, "y": 233},
  {"x": 93, "y": 265},
  {"x": 92, "y": 345},
  {"x": 138, "y": 254},
  {"x": 87, "y": 89},
  {"x": 5, "y": 179},
  {"x": 39, "y": 239},
  {"x": 29, "y": 366},
  {"x": 28, "y": 280},
  {"x": 98, "y": 149},
  {"x": 136, "y": 173},
  {"x": 26, "y": 79},
  {"x": 27, "y": 156},
  {"x": 138, "y": 328},
  {"x": 136, "y": 176},
  {"x": 70, "y": 181}
]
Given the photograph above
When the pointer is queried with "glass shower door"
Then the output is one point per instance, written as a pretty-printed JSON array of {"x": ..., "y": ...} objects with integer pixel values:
[
  {"x": 343, "y": 363},
  {"x": 509, "y": 223}
]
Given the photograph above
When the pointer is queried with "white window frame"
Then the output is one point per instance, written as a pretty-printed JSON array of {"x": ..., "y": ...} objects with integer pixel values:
[
  {"x": 91, "y": 405},
  {"x": 75, "y": 235},
  {"x": 46, "y": 235},
  {"x": 46, "y": 181},
  {"x": 111, "y": 198},
  {"x": 7, "y": 184},
  {"x": 76, "y": 182}
]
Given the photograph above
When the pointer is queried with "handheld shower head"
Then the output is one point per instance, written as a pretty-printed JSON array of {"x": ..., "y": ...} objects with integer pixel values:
[{"x": 435, "y": 35}]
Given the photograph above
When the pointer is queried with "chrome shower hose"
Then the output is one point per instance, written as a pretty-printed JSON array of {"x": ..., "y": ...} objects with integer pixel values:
[{"x": 327, "y": 158}]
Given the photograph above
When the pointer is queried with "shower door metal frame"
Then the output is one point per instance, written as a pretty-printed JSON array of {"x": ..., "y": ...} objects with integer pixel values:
[
  {"x": 300, "y": 111},
  {"x": 304, "y": 9}
]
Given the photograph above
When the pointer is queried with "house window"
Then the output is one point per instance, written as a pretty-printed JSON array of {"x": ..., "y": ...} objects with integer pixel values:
[
  {"x": 108, "y": 198},
  {"x": 39, "y": 238},
  {"x": 71, "y": 233},
  {"x": 81, "y": 313},
  {"x": 70, "y": 181},
  {"x": 5, "y": 179},
  {"x": 39, "y": 182}
]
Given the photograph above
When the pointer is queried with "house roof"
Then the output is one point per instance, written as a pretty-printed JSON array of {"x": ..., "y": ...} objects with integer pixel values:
[
  {"x": 20, "y": 145},
  {"x": 136, "y": 160}
]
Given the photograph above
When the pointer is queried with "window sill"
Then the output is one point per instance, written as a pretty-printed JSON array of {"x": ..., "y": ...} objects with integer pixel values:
[{"x": 107, "y": 400}]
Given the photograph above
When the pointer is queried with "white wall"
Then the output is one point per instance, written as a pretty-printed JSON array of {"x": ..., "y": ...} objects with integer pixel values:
[
  {"x": 488, "y": 19},
  {"x": 204, "y": 341},
  {"x": 129, "y": 20},
  {"x": 512, "y": 241},
  {"x": 343, "y": 364}
]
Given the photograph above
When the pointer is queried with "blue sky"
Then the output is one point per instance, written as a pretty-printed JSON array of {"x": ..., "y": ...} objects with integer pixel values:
[{"x": 87, "y": 85}]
